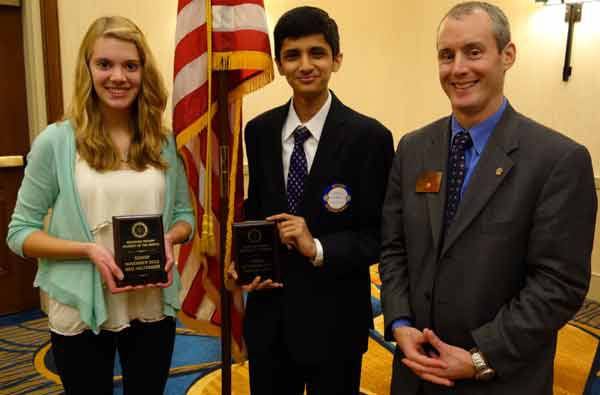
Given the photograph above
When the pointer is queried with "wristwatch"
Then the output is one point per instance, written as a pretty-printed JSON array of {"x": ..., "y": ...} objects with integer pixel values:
[{"x": 482, "y": 370}]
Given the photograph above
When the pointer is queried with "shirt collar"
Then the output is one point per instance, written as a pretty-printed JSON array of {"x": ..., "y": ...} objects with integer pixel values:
[
  {"x": 315, "y": 124},
  {"x": 481, "y": 132}
]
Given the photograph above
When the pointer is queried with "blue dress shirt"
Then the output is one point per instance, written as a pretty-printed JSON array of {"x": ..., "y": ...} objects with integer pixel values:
[{"x": 480, "y": 135}]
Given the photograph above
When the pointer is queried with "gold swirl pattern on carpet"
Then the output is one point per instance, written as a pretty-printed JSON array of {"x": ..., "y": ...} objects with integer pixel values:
[
  {"x": 576, "y": 350},
  {"x": 19, "y": 346},
  {"x": 23, "y": 349}
]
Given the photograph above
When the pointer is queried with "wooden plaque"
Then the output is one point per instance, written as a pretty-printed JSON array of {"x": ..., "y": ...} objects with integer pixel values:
[
  {"x": 256, "y": 251},
  {"x": 140, "y": 249}
]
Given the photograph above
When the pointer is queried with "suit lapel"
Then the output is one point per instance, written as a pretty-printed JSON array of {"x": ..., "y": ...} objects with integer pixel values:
[
  {"x": 494, "y": 166},
  {"x": 274, "y": 150},
  {"x": 435, "y": 159},
  {"x": 331, "y": 140}
]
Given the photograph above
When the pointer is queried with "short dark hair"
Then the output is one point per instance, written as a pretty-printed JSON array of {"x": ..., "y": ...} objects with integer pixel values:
[
  {"x": 500, "y": 24},
  {"x": 305, "y": 21}
]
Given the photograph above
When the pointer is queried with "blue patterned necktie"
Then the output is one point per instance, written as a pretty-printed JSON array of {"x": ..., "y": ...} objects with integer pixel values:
[
  {"x": 456, "y": 174},
  {"x": 298, "y": 169}
]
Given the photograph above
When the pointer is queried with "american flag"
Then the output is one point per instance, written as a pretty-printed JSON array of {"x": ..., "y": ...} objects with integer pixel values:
[{"x": 214, "y": 35}]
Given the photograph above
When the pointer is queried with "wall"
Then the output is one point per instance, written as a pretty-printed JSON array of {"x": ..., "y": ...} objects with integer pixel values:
[
  {"x": 34, "y": 67},
  {"x": 389, "y": 69}
]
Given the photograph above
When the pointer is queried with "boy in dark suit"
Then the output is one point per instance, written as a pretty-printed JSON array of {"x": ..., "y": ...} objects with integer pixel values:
[{"x": 318, "y": 169}]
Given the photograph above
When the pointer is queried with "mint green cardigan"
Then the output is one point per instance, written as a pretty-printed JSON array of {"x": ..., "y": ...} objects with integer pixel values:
[{"x": 49, "y": 183}]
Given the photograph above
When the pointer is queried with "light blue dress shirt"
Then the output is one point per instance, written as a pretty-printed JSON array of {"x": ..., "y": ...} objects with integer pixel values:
[{"x": 480, "y": 135}]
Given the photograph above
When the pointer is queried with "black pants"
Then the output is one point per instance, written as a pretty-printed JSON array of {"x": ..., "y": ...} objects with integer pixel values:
[
  {"x": 85, "y": 362},
  {"x": 276, "y": 374}
]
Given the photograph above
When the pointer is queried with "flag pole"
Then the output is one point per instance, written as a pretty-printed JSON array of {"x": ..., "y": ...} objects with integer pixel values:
[{"x": 223, "y": 126}]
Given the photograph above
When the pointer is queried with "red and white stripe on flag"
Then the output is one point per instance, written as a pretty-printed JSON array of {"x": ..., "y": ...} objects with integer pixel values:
[{"x": 214, "y": 35}]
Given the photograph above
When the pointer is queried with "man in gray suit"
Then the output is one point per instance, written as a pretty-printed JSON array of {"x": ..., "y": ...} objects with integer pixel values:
[{"x": 487, "y": 231}]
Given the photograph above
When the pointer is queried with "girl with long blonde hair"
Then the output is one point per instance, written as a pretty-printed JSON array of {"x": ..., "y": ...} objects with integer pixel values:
[{"x": 110, "y": 156}]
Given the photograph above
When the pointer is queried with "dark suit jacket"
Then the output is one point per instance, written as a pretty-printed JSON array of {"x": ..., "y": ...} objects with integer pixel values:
[
  {"x": 321, "y": 312},
  {"x": 513, "y": 267}
]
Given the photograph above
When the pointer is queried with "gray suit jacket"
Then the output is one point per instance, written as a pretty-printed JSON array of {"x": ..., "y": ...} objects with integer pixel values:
[{"x": 515, "y": 264}]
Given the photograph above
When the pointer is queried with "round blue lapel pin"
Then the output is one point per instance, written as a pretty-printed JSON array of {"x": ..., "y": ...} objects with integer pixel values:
[{"x": 336, "y": 198}]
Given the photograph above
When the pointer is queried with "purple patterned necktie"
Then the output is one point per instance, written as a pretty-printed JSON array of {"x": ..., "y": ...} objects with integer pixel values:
[
  {"x": 456, "y": 174},
  {"x": 298, "y": 169}
]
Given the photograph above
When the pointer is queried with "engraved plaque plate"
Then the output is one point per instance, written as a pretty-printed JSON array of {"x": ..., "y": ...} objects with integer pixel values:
[
  {"x": 256, "y": 251},
  {"x": 140, "y": 249}
]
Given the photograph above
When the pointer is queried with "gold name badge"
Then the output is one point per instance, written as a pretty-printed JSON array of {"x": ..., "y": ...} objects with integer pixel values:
[{"x": 429, "y": 182}]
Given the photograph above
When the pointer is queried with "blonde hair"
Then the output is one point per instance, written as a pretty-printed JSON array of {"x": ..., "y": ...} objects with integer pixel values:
[{"x": 93, "y": 142}]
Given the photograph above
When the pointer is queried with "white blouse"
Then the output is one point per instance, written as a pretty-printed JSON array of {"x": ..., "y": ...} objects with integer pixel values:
[{"x": 102, "y": 196}]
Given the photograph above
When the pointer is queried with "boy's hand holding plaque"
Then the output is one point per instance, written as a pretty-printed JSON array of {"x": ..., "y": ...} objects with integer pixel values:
[
  {"x": 139, "y": 242},
  {"x": 256, "y": 251}
]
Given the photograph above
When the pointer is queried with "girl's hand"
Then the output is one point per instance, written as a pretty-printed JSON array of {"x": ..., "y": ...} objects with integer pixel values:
[{"x": 107, "y": 267}]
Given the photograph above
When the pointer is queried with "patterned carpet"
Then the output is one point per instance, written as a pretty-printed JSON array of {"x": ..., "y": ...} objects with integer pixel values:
[
  {"x": 589, "y": 314},
  {"x": 26, "y": 367},
  {"x": 577, "y": 362}
]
